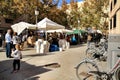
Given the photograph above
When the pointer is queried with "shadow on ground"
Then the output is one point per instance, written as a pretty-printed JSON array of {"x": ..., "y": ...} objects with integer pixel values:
[
  {"x": 37, "y": 54},
  {"x": 27, "y": 71},
  {"x": 76, "y": 46},
  {"x": 2, "y": 50},
  {"x": 27, "y": 49}
]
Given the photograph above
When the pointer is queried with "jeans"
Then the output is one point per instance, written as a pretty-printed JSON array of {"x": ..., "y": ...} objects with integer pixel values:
[
  {"x": 16, "y": 63},
  {"x": 8, "y": 49},
  {"x": 14, "y": 46},
  {"x": 0, "y": 42}
]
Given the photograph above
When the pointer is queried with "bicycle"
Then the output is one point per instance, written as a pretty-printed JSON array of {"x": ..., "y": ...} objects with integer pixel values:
[
  {"x": 89, "y": 70},
  {"x": 97, "y": 51}
]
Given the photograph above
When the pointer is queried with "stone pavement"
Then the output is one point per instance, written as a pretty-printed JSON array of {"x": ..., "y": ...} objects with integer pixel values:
[{"x": 32, "y": 65}]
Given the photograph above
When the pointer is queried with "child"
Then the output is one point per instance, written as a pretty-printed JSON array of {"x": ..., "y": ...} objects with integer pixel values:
[{"x": 17, "y": 56}]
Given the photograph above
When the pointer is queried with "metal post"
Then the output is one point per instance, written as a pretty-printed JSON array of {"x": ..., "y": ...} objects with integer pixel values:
[
  {"x": 78, "y": 33},
  {"x": 36, "y": 23},
  {"x": 36, "y": 13},
  {"x": 36, "y": 28}
]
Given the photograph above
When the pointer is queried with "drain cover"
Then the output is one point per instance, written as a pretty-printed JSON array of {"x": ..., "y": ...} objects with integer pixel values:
[{"x": 52, "y": 65}]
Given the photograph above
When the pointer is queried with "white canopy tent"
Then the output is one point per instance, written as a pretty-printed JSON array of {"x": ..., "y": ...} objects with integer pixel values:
[
  {"x": 19, "y": 27},
  {"x": 47, "y": 24},
  {"x": 59, "y": 30}
]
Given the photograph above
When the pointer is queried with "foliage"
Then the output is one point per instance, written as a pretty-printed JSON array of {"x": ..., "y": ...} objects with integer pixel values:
[
  {"x": 24, "y": 10},
  {"x": 90, "y": 14},
  {"x": 72, "y": 14},
  {"x": 93, "y": 13}
]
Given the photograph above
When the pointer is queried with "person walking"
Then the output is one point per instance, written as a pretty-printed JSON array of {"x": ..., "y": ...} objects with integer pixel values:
[
  {"x": 89, "y": 38},
  {"x": 74, "y": 40},
  {"x": 8, "y": 41},
  {"x": 17, "y": 55}
]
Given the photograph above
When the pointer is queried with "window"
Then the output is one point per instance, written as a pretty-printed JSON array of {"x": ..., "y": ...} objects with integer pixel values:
[
  {"x": 8, "y": 20},
  {"x": 115, "y": 2},
  {"x": 114, "y": 25},
  {"x": 111, "y": 7},
  {"x": 111, "y": 24}
]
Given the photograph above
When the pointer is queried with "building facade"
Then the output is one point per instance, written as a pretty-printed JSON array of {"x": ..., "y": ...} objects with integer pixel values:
[
  {"x": 114, "y": 33},
  {"x": 114, "y": 15},
  {"x": 4, "y": 24}
]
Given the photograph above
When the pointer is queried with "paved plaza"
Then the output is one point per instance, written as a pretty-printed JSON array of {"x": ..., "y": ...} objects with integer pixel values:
[{"x": 33, "y": 65}]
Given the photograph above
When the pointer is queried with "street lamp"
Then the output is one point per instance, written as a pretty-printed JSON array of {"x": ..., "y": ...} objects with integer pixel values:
[
  {"x": 36, "y": 14},
  {"x": 79, "y": 34}
]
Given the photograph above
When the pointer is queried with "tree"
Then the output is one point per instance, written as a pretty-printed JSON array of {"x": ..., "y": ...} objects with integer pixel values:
[
  {"x": 14, "y": 9},
  {"x": 24, "y": 10},
  {"x": 93, "y": 13},
  {"x": 73, "y": 14}
]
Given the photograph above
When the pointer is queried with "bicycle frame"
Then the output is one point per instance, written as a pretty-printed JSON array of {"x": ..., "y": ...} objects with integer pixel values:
[
  {"x": 115, "y": 67},
  {"x": 99, "y": 73}
]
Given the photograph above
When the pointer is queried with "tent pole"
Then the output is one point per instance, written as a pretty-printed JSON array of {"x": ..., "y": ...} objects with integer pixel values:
[{"x": 45, "y": 35}]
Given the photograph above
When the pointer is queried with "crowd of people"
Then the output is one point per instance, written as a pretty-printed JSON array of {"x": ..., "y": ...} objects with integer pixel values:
[
  {"x": 14, "y": 42},
  {"x": 13, "y": 49},
  {"x": 95, "y": 37},
  {"x": 12, "y": 38},
  {"x": 55, "y": 40}
]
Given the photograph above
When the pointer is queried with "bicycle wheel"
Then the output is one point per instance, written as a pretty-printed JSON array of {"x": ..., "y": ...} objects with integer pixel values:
[
  {"x": 90, "y": 53},
  {"x": 84, "y": 68},
  {"x": 117, "y": 74}
]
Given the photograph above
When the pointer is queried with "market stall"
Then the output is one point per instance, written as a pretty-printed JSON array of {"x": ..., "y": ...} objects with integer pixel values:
[
  {"x": 47, "y": 24},
  {"x": 60, "y": 30},
  {"x": 77, "y": 36},
  {"x": 21, "y": 26}
]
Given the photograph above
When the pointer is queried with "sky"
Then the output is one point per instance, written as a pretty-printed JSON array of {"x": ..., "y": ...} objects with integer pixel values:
[{"x": 68, "y": 1}]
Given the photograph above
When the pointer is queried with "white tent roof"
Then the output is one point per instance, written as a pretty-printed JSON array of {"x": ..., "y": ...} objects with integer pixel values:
[
  {"x": 99, "y": 31},
  {"x": 60, "y": 30},
  {"x": 47, "y": 24},
  {"x": 19, "y": 27}
]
